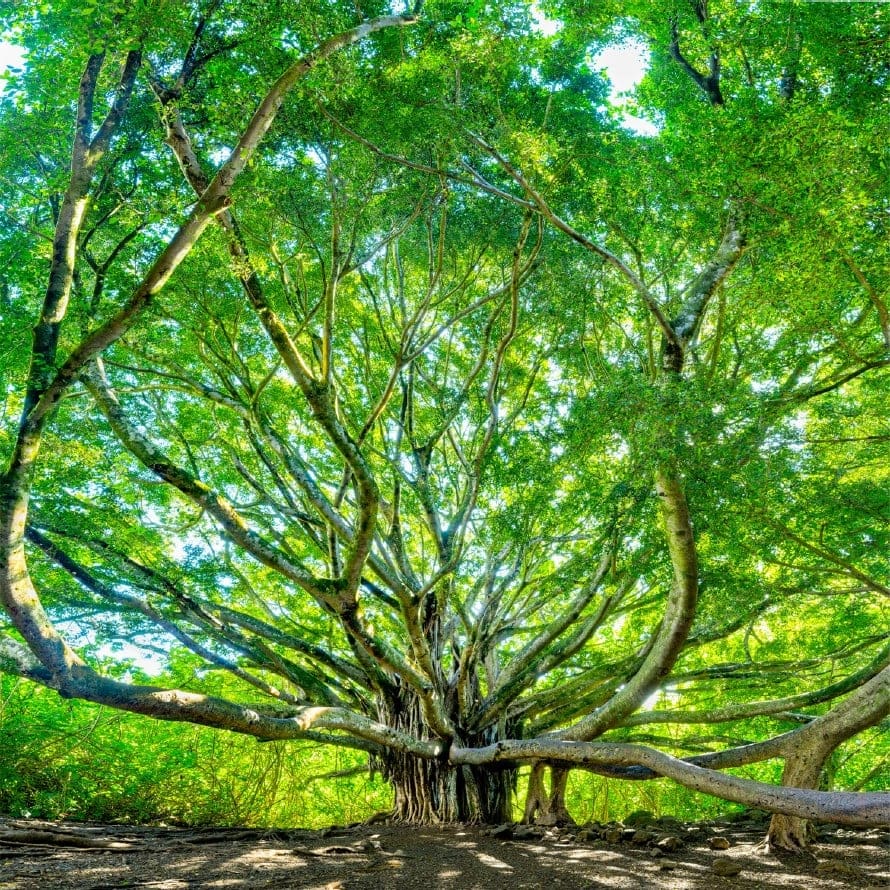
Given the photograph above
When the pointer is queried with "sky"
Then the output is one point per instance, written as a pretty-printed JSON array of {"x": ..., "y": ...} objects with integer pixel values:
[
  {"x": 10, "y": 54},
  {"x": 625, "y": 64}
]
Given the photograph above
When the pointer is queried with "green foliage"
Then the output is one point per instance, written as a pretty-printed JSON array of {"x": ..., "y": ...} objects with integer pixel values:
[{"x": 73, "y": 760}]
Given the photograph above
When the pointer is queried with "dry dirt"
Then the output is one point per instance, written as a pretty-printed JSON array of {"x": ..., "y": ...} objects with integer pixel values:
[{"x": 36, "y": 855}]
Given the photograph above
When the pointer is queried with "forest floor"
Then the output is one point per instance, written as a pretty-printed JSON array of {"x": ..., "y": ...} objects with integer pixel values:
[{"x": 656, "y": 853}]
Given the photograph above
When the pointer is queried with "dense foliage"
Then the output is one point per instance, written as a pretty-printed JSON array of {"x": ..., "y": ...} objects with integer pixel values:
[
  {"x": 384, "y": 366},
  {"x": 78, "y": 761}
]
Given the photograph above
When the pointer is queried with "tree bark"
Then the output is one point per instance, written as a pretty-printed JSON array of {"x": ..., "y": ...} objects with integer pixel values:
[
  {"x": 802, "y": 770},
  {"x": 434, "y": 791},
  {"x": 543, "y": 807},
  {"x": 811, "y": 747},
  {"x": 535, "y": 794},
  {"x": 845, "y": 808}
]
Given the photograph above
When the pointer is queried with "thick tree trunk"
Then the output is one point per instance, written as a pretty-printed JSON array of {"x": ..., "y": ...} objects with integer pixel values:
[
  {"x": 435, "y": 791},
  {"x": 431, "y": 792}
]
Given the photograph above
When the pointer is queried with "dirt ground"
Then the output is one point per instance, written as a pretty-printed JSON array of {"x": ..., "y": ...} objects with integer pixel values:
[{"x": 652, "y": 853}]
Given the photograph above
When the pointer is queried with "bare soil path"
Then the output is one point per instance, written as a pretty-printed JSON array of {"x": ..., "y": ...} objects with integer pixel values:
[{"x": 660, "y": 853}]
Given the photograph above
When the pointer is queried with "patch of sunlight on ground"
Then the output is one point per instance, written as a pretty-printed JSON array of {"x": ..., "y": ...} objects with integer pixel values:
[
  {"x": 493, "y": 862},
  {"x": 267, "y": 859}
]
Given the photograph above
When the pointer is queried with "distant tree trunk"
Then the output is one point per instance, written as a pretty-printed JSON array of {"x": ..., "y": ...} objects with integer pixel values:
[
  {"x": 431, "y": 792},
  {"x": 535, "y": 795}
]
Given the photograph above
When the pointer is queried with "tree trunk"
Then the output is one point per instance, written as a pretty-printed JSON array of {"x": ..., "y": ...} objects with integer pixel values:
[
  {"x": 545, "y": 808},
  {"x": 535, "y": 795},
  {"x": 432, "y": 792},
  {"x": 435, "y": 791},
  {"x": 816, "y": 742},
  {"x": 802, "y": 770}
]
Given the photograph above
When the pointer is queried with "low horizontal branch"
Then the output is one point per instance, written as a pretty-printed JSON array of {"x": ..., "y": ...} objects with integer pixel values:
[{"x": 843, "y": 807}]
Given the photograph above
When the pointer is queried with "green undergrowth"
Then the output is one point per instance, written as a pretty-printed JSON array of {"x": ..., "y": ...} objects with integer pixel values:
[
  {"x": 63, "y": 759},
  {"x": 74, "y": 760}
]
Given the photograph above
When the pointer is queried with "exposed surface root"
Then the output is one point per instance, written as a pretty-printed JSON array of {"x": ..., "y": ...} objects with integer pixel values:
[{"x": 36, "y": 837}]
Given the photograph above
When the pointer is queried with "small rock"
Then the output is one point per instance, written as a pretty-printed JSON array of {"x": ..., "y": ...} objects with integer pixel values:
[
  {"x": 613, "y": 835},
  {"x": 667, "y": 865},
  {"x": 727, "y": 868},
  {"x": 669, "y": 844},
  {"x": 587, "y": 835},
  {"x": 655, "y": 853},
  {"x": 719, "y": 843},
  {"x": 527, "y": 832},
  {"x": 640, "y": 838},
  {"x": 839, "y": 867},
  {"x": 627, "y": 834},
  {"x": 503, "y": 831}
]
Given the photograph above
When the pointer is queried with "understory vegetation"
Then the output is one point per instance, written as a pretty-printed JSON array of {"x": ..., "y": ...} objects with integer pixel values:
[{"x": 78, "y": 761}]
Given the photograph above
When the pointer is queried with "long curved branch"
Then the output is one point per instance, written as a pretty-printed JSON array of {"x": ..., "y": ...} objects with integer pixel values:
[{"x": 846, "y": 808}]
